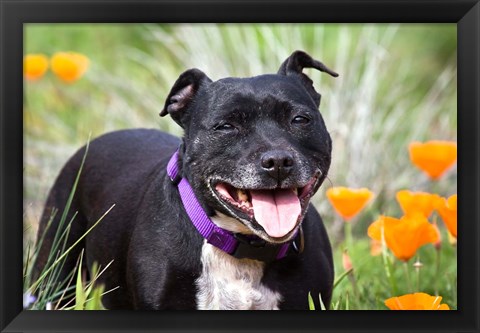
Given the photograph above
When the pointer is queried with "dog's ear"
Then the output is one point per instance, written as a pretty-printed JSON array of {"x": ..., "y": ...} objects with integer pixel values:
[
  {"x": 182, "y": 93},
  {"x": 294, "y": 65}
]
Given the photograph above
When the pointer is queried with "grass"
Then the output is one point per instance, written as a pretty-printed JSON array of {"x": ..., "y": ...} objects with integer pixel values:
[
  {"x": 397, "y": 84},
  {"x": 373, "y": 284},
  {"x": 47, "y": 289}
]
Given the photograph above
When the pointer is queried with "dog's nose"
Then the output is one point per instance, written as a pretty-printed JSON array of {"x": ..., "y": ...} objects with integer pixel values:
[{"x": 277, "y": 163}]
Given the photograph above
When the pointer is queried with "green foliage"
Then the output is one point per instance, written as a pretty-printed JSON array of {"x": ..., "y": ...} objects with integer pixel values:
[
  {"x": 88, "y": 296},
  {"x": 47, "y": 290},
  {"x": 374, "y": 286}
]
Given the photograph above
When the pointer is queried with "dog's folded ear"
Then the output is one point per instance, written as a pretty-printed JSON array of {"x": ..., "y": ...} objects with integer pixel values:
[
  {"x": 294, "y": 65},
  {"x": 182, "y": 94}
]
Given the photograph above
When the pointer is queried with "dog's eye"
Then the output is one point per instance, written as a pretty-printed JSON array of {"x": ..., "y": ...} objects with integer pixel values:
[
  {"x": 224, "y": 127},
  {"x": 300, "y": 120}
]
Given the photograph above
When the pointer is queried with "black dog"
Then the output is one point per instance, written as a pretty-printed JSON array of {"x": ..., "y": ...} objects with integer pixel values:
[{"x": 230, "y": 225}]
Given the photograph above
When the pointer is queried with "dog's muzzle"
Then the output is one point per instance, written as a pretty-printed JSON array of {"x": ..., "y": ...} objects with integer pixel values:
[{"x": 238, "y": 245}]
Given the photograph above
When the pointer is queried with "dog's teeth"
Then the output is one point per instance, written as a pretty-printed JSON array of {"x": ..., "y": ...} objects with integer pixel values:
[
  {"x": 246, "y": 204},
  {"x": 295, "y": 190},
  {"x": 242, "y": 195}
]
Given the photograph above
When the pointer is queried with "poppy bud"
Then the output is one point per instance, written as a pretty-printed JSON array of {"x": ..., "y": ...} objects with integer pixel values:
[{"x": 346, "y": 262}]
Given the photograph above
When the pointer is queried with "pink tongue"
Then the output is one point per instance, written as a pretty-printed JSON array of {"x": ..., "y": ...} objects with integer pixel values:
[{"x": 276, "y": 211}]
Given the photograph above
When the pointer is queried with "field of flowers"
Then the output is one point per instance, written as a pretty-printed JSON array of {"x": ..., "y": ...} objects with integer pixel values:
[{"x": 389, "y": 203}]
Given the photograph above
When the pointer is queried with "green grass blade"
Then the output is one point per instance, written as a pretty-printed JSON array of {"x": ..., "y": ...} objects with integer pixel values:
[
  {"x": 322, "y": 306},
  {"x": 80, "y": 296},
  {"x": 311, "y": 305},
  {"x": 341, "y": 277},
  {"x": 94, "y": 273},
  {"x": 335, "y": 305},
  {"x": 47, "y": 227},
  {"x": 70, "y": 248},
  {"x": 58, "y": 237},
  {"x": 95, "y": 302},
  {"x": 25, "y": 270},
  {"x": 54, "y": 276},
  {"x": 98, "y": 274},
  {"x": 37, "y": 249}
]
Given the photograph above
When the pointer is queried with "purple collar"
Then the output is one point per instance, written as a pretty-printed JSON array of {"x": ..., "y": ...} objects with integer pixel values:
[{"x": 237, "y": 245}]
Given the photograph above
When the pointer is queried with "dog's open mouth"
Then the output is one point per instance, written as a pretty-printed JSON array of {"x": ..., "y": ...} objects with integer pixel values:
[{"x": 277, "y": 210}]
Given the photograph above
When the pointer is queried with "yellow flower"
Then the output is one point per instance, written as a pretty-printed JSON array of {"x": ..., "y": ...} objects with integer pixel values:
[
  {"x": 69, "y": 66},
  {"x": 433, "y": 157},
  {"x": 416, "y": 301},
  {"x": 417, "y": 202},
  {"x": 447, "y": 208},
  {"x": 348, "y": 202},
  {"x": 34, "y": 66},
  {"x": 404, "y": 236}
]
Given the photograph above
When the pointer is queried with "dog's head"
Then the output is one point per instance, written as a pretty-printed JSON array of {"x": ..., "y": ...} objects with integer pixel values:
[{"x": 255, "y": 149}]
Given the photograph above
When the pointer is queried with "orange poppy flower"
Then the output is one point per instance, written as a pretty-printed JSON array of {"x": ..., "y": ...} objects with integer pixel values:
[
  {"x": 34, "y": 66},
  {"x": 416, "y": 301},
  {"x": 433, "y": 157},
  {"x": 447, "y": 208},
  {"x": 417, "y": 202},
  {"x": 348, "y": 202},
  {"x": 403, "y": 236},
  {"x": 69, "y": 66},
  {"x": 375, "y": 229}
]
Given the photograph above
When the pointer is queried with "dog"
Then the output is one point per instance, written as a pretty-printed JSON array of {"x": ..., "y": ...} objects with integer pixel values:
[{"x": 220, "y": 219}]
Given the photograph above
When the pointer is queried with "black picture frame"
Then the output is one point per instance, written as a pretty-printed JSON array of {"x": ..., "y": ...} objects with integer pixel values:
[{"x": 14, "y": 13}]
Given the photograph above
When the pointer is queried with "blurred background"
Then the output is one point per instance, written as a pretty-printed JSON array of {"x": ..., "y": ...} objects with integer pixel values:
[{"x": 397, "y": 84}]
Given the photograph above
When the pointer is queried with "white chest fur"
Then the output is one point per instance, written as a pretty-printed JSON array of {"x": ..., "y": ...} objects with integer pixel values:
[{"x": 227, "y": 283}]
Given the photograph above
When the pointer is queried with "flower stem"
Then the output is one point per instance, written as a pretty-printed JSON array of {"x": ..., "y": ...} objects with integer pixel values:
[
  {"x": 437, "y": 269},
  {"x": 388, "y": 271},
  {"x": 348, "y": 234},
  {"x": 418, "y": 280},
  {"x": 353, "y": 281},
  {"x": 417, "y": 269},
  {"x": 349, "y": 244},
  {"x": 407, "y": 276},
  {"x": 387, "y": 265}
]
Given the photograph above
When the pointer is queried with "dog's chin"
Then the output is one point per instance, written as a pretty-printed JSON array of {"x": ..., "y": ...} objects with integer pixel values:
[{"x": 273, "y": 214}]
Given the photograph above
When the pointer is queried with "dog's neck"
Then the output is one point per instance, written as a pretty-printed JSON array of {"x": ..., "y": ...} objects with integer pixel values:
[{"x": 229, "y": 223}]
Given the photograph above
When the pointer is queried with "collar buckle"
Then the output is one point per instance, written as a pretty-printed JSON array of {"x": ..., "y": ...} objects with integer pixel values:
[
  {"x": 176, "y": 179},
  {"x": 250, "y": 240},
  {"x": 253, "y": 247}
]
